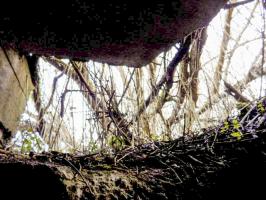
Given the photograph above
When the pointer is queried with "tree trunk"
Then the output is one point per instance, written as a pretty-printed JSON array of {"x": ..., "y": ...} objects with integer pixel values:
[
  {"x": 226, "y": 162},
  {"x": 15, "y": 86}
]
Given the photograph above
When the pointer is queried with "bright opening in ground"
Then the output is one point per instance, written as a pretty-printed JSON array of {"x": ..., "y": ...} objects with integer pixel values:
[{"x": 72, "y": 124}]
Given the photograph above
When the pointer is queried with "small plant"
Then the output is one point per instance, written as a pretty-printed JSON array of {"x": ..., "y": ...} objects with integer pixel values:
[
  {"x": 116, "y": 142},
  {"x": 27, "y": 141}
]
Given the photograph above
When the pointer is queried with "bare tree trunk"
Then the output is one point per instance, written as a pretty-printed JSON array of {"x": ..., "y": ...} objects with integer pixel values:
[
  {"x": 15, "y": 87},
  {"x": 225, "y": 40}
]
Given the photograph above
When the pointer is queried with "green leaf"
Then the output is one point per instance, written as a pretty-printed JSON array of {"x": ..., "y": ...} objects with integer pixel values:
[
  {"x": 260, "y": 107},
  {"x": 238, "y": 135},
  {"x": 225, "y": 127},
  {"x": 116, "y": 142},
  {"x": 236, "y": 124}
]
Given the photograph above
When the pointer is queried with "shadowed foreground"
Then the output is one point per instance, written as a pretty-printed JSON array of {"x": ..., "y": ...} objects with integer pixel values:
[{"x": 226, "y": 162}]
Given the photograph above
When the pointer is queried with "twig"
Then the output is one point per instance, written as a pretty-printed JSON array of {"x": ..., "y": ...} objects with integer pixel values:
[
  {"x": 124, "y": 92},
  {"x": 63, "y": 99},
  {"x": 177, "y": 176},
  {"x": 127, "y": 154},
  {"x": 240, "y": 3},
  {"x": 168, "y": 76},
  {"x": 235, "y": 93},
  {"x": 53, "y": 91},
  {"x": 247, "y": 114},
  {"x": 195, "y": 159},
  {"x": 73, "y": 166}
]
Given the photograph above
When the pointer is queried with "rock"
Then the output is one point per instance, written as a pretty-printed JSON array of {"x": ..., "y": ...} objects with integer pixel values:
[{"x": 113, "y": 32}]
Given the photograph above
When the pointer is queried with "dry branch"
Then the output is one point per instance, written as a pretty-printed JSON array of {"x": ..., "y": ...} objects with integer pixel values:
[
  {"x": 98, "y": 105},
  {"x": 240, "y": 3},
  {"x": 167, "y": 78},
  {"x": 235, "y": 93}
]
